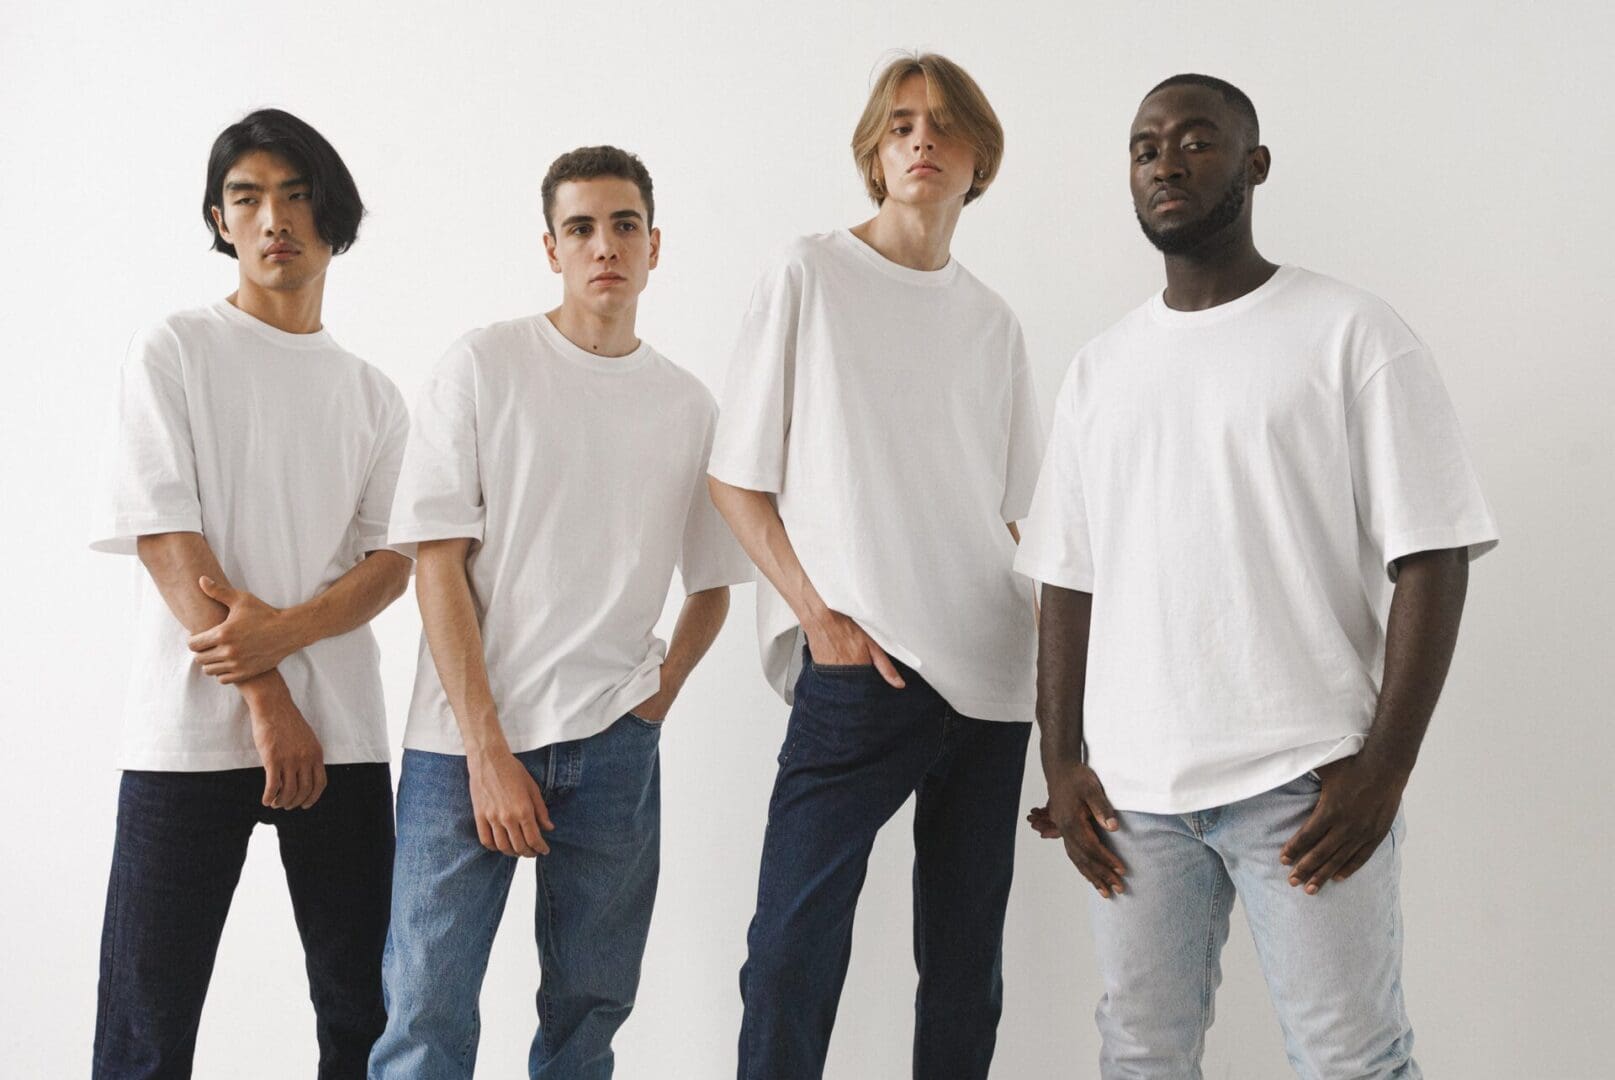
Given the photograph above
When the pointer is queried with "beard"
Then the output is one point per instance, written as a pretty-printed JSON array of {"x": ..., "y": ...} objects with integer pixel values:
[{"x": 1185, "y": 238}]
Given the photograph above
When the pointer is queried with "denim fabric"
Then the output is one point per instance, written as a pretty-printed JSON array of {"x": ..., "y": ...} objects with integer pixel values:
[
  {"x": 181, "y": 842},
  {"x": 1332, "y": 961},
  {"x": 855, "y": 750},
  {"x": 596, "y": 888}
]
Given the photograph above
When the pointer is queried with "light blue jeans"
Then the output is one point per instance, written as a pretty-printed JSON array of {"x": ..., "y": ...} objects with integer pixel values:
[
  {"x": 596, "y": 888},
  {"x": 1332, "y": 961}
]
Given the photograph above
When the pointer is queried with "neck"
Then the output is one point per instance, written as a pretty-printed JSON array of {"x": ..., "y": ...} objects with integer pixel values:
[
  {"x": 1224, "y": 268},
  {"x": 296, "y": 311},
  {"x": 591, "y": 331},
  {"x": 918, "y": 237}
]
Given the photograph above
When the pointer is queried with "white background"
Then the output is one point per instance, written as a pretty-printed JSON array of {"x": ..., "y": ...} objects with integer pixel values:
[{"x": 1456, "y": 159}]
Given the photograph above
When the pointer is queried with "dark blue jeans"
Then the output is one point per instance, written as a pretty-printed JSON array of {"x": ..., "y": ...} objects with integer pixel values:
[
  {"x": 855, "y": 750},
  {"x": 181, "y": 842}
]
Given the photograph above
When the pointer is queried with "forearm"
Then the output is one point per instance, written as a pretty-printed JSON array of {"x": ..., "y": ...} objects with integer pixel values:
[
  {"x": 756, "y": 523},
  {"x": 1420, "y": 636},
  {"x": 699, "y": 621},
  {"x": 455, "y": 639},
  {"x": 176, "y": 562},
  {"x": 1062, "y": 671},
  {"x": 352, "y": 600}
]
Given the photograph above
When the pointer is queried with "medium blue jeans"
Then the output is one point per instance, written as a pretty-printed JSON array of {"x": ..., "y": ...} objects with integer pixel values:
[
  {"x": 1332, "y": 961},
  {"x": 596, "y": 888},
  {"x": 855, "y": 750},
  {"x": 182, "y": 840}
]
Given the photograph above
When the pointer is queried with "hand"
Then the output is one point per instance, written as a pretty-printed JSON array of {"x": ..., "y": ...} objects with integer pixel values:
[
  {"x": 836, "y": 639},
  {"x": 1077, "y": 802},
  {"x": 655, "y": 707},
  {"x": 253, "y": 638},
  {"x": 1355, "y": 810},
  {"x": 509, "y": 807},
  {"x": 294, "y": 761}
]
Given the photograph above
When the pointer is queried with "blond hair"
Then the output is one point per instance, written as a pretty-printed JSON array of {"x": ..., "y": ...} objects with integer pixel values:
[{"x": 958, "y": 108}]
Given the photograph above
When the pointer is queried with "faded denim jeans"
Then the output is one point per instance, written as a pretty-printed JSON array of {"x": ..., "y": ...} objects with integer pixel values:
[
  {"x": 1332, "y": 961},
  {"x": 596, "y": 888}
]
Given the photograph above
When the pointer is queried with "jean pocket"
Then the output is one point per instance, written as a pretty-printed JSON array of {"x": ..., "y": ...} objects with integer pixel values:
[
  {"x": 841, "y": 669},
  {"x": 654, "y": 725}
]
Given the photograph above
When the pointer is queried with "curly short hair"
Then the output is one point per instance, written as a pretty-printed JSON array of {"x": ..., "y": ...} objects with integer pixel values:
[{"x": 591, "y": 163}]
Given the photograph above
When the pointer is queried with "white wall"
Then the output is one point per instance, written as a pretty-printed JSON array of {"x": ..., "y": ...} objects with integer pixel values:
[{"x": 1455, "y": 159}]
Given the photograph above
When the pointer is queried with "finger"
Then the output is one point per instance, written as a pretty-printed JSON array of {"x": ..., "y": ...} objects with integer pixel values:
[
  {"x": 1312, "y": 859},
  {"x": 1099, "y": 806},
  {"x": 540, "y": 810},
  {"x": 1079, "y": 859},
  {"x": 271, "y": 783},
  {"x": 1306, "y": 837},
  {"x": 883, "y": 664},
  {"x": 517, "y": 831},
  {"x": 211, "y": 656},
  {"x": 1355, "y": 863},
  {"x": 222, "y": 593},
  {"x": 218, "y": 667},
  {"x": 296, "y": 789},
  {"x": 485, "y": 834},
  {"x": 230, "y": 677},
  {"x": 534, "y": 838},
  {"x": 1329, "y": 869},
  {"x": 502, "y": 842},
  {"x": 206, "y": 639},
  {"x": 321, "y": 782}
]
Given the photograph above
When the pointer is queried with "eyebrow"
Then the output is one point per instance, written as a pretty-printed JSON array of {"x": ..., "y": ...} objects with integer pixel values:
[
  {"x": 1191, "y": 122},
  {"x": 248, "y": 185},
  {"x": 616, "y": 215}
]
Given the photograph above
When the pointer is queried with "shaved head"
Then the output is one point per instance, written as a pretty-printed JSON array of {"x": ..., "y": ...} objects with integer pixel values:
[{"x": 1231, "y": 94}]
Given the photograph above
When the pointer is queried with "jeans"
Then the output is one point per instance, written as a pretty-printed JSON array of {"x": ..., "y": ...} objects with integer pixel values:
[
  {"x": 596, "y": 888},
  {"x": 855, "y": 750},
  {"x": 181, "y": 842},
  {"x": 1332, "y": 961}
]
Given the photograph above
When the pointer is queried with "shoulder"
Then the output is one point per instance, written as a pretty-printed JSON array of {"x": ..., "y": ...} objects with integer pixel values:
[
  {"x": 1361, "y": 322},
  {"x": 681, "y": 385}
]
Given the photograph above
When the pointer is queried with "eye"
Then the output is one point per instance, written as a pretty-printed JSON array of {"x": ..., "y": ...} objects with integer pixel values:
[
  {"x": 627, "y": 226},
  {"x": 580, "y": 230},
  {"x": 902, "y": 129},
  {"x": 1144, "y": 155},
  {"x": 245, "y": 200},
  {"x": 1196, "y": 144}
]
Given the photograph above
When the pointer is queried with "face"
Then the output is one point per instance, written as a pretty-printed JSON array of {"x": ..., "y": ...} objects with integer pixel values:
[
  {"x": 267, "y": 212},
  {"x": 1194, "y": 161},
  {"x": 602, "y": 246},
  {"x": 919, "y": 164}
]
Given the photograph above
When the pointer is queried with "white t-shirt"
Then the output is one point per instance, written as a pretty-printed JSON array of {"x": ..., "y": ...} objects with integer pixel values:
[
  {"x": 1232, "y": 486},
  {"x": 582, "y": 479},
  {"x": 281, "y": 450},
  {"x": 891, "y": 413}
]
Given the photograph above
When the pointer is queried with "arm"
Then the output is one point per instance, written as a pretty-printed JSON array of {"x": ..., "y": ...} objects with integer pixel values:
[
  {"x": 294, "y": 765},
  {"x": 832, "y": 636},
  {"x": 1361, "y": 794},
  {"x": 255, "y": 636},
  {"x": 699, "y": 621},
  {"x": 505, "y": 798},
  {"x": 1077, "y": 800}
]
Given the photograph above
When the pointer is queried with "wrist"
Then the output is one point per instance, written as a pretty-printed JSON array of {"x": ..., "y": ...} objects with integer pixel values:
[{"x": 297, "y": 627}]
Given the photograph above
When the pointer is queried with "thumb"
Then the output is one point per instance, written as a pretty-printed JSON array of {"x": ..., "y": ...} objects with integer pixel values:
[{"x": 224, "y": 594}]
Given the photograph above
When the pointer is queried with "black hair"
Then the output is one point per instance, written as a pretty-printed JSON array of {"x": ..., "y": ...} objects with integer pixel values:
[
  {"x": 1233, "y": 95},
  {"x": 592, "y": 162},
  {"x": 337, "y": 206}
]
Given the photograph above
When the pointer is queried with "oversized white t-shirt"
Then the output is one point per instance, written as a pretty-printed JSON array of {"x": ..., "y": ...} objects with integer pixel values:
[
  {"x": 582, "y": 479},
  {"x": 890, "y": 411},
  {"x": 281, "y": 450},
  {"x": 1233, "y": 486}
]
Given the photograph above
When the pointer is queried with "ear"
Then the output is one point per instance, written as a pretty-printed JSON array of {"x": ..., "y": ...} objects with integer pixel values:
[
  {"x": 1260, "y": 162},
  {"x": 549, "y": 250},
  {"x": 218, "y": 223},
  {"x": 655, "y": 246}
]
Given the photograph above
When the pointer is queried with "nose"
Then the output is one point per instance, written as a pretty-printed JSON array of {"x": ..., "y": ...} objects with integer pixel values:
[
  {"x": 273, "y": 214},
  {"x": 923, "y": 138},
  {"x": 605, "y": 245},
  {"x": 1169, "y": 163}
]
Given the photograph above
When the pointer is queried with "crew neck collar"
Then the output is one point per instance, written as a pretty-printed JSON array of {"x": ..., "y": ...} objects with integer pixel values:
[
  {"x": 319, "y": 339},
  {"x": 1172, "y": 317},
  {"x": 576, "y": 354},
  {"x": 891, "y": 269}
]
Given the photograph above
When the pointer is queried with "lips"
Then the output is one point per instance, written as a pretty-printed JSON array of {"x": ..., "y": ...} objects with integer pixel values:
[
  {"x": 279, "y": 251},
  {"x": 1168, "y": 195},
  {"x": 606, "y": 279},
  {"x": 923, "y": 167}
]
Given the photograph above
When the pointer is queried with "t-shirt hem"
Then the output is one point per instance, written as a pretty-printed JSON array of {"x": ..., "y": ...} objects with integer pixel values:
[
  {"x": 997, "y": 712},
  {"x": 127, "y": 532},
  {"x": 740, "y": 478},
  {"x": 1213, "y": 796},
  {"x": 219, "y": 760},
  {"x": 519, "y": 741},
  {"x": 1477, "y": 539},
  {"x": 1056, "y": 576},
  {"x": 408, "y": 534}
]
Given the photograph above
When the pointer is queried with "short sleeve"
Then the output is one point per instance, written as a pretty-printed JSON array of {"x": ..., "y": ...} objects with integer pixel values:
[
  {"x": 749, "y": 449},
  {"x": 372, "y": 519},
  {"x": 1055, "y": 547},
  {"x": 153, "y": 476},
  {"x": 439, "y": 491},
  {"x": 1025, "y": 434},
  {"x": 1412, "y": 480},
  {"x": 709, "y": 555}
]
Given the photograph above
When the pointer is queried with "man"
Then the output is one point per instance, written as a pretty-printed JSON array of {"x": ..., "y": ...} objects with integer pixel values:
[
  {"x": 879, "y": 439},
  {"x": 1240, "y": 472},
  {"x": 254, "y": 454},
  {"x": 555, "y": 476}
]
